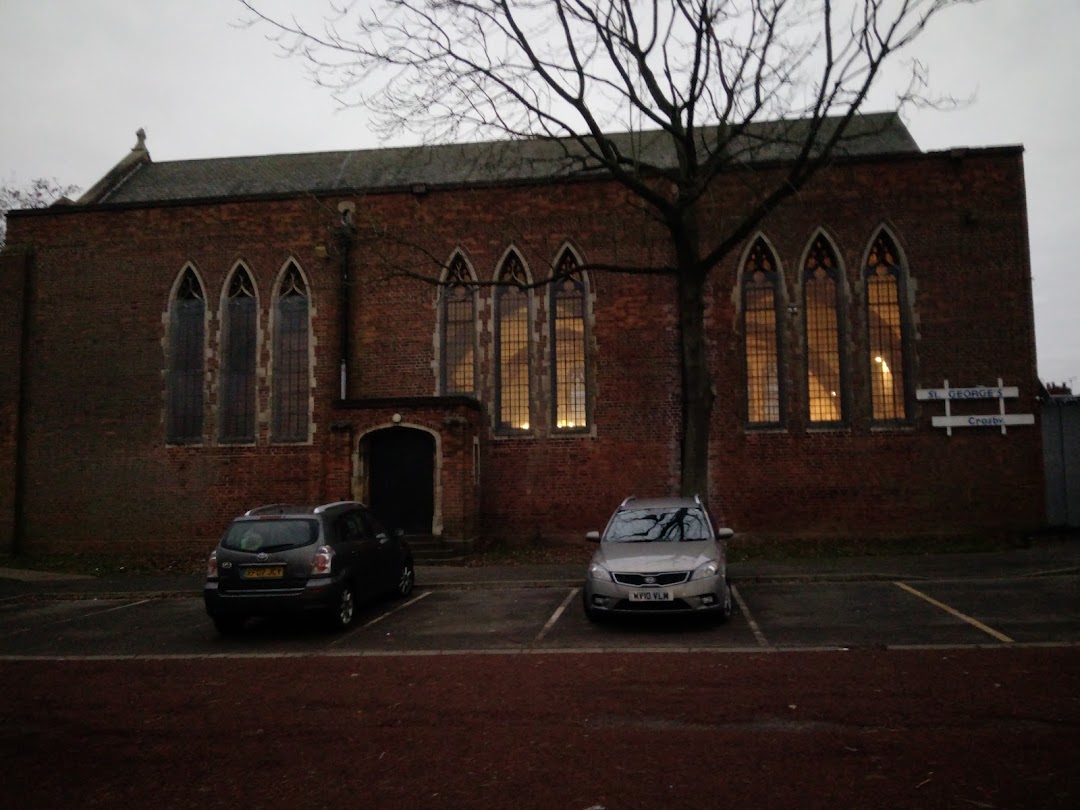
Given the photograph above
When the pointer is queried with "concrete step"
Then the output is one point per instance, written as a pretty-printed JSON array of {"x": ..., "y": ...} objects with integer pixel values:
[{"x": 430, "y": 550}]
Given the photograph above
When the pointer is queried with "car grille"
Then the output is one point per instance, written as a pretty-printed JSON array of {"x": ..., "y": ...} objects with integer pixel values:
[{"x": 638, "y": 580}]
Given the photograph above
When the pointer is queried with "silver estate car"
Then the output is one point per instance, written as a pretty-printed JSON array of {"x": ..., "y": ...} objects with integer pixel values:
[{"x": 659, "y": 555}]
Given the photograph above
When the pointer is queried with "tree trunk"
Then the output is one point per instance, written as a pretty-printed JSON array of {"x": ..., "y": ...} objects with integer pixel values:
[{"x": 697, "y": 388}]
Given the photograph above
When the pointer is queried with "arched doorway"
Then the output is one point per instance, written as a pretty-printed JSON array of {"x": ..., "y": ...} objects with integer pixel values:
[{"x": 401, "y": 477}]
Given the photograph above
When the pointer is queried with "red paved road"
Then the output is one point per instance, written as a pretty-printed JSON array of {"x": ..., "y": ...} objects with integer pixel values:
[{"x": 994, "y": 728}]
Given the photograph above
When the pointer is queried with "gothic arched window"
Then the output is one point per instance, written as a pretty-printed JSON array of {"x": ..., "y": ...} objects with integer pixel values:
[
  {"x": 761, "y": 333},
  {"x": 513, "y": 369},
  {"x": 239, "y": 332},
  {"x": 186, "y": 361},
  {"x": 886, "y": 320},
  {"x": 823, "y": 332},
  {"x": 457, "y": 310},
  {"x": 291, "y": 358},
  {"x": 567, "y": 313}
]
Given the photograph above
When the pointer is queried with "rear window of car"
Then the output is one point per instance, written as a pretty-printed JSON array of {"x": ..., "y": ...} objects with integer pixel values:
[
  {"x": 271, "y": 535},
  {"x": 678, "y": 525}
]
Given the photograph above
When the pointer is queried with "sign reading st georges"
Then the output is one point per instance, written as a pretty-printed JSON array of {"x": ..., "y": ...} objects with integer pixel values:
[{"x": 981, "y": 392}]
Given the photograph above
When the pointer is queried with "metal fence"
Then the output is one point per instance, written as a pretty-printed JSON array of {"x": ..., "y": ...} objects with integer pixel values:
[{"x": 1061, "y": 459}]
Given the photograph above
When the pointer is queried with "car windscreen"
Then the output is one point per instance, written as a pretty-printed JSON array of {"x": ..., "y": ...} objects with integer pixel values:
[
  {"x": 271, "y": 535},
  {"x": 677, "y": 525}
]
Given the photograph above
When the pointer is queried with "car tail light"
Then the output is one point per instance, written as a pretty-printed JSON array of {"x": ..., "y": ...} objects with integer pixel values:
[
  {"x": 211, "y": 566},
  {"x": 324, "y": 557}
]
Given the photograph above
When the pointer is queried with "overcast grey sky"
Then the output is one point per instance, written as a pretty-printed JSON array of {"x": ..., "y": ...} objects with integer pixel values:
[{"x": 80, "y": 76}]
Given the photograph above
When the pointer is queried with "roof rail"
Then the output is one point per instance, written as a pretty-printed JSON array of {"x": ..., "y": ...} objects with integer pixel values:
[
  {"x": 327, "y": 506},
  {"x": 627, "y": 500},
  {"x": 270, "y": 509}
]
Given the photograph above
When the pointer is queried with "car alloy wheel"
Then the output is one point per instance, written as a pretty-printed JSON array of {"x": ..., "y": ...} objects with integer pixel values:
[
  {"x": 406, "y": 580},
  {"x": 342, "y": 617},
  {"x": 725, "y": 611}
]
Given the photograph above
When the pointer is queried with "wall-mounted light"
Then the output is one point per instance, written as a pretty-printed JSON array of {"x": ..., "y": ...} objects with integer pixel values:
[{"x": 396, "y": 418}]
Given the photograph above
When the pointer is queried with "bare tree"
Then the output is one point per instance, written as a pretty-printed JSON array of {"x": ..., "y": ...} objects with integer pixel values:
[
  {"x": 40, "y": 193},
  {"x": 718, "y": 84}
]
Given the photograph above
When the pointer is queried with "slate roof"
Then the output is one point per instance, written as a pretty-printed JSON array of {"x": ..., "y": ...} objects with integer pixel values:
[{"x": 137, "y": 179}]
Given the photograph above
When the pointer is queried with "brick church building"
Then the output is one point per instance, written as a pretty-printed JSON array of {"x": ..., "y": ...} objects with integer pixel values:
[{"x": 192, "y": 338}]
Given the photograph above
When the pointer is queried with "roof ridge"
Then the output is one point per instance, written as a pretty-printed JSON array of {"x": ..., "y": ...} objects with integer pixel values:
[{"x": 137, "y": 179}]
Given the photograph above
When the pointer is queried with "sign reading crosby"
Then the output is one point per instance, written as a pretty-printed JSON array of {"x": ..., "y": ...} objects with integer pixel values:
[
  {"x": 988, "y": 420},
  {"x": 1000, "y": 392}
]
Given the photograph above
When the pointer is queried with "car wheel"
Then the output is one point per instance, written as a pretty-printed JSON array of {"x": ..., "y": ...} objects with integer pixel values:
[
  {"x": 406, "y": 579},
  {"x": 724, "y": 613},
  {"x": 341, "y": 617},
  {"x": 229, "y": 625}
]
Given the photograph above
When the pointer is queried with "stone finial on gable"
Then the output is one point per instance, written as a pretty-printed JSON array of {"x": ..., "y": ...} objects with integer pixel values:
[{"x": 128, "y": 165}]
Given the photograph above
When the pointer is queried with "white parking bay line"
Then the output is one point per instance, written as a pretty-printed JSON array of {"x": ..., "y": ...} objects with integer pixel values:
[
  {"x": 382, "y": 616},
  {"x": 956, "y": 613},
  {"x": 555, "y": 616},
  {"x": 761, "y": 640},
  {"x": 76, "y": 618}
]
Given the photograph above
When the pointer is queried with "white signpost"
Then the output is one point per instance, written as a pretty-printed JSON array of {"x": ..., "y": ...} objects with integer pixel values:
[{"x": 949, "y": 395}]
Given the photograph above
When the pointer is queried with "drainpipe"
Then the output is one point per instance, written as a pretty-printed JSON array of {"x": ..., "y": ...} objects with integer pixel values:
[{"x": 346, "y": 234}]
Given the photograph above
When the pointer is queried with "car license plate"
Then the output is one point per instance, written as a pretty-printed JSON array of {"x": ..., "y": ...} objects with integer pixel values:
[
  {"x": 265, "y": 572},
  {"x": 650, "y": 595}
]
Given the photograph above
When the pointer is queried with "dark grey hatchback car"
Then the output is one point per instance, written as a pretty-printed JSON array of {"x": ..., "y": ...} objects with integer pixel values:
[{"x": 282, "y": 559}]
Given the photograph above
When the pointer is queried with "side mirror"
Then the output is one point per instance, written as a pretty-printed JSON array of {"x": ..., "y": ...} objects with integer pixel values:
[
  {"x": 592, "y": 537},
  {"x": 724, "y": 534}
]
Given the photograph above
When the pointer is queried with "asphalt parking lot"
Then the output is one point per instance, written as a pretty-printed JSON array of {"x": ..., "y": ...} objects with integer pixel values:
[
  {"x": 1038, "y": 608},
  {"x": 907, "y": 682}
]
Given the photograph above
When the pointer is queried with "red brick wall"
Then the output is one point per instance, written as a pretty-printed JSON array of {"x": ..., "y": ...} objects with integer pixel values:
[
  {"x": 12, "y": 279},
  {"x": 99, "y": 470}
]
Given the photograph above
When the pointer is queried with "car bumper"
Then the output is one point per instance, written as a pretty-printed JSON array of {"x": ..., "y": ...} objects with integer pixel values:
[
  {"x": 317, "y": 594},
  {"x": 707, "y": 595}
]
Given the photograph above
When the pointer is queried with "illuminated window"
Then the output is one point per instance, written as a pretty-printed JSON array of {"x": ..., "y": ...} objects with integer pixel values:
[
  {"x": 569, "y": 294},
  {"x": 513, "y": 369},
  {"x": 291, "y": 384},
  {"x": 822, "y": 324},
  {"x": 760, "y": 298},
  {"x": 187, "y": 361},
  {"x": 886, "y": 325},
  {"x": 458, "y": 309},
  {"x": 239, "y": 325}
]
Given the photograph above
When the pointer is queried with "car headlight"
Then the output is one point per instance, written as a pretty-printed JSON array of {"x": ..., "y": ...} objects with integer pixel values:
[
  {"x": 709, "y": 569},
  {"x": 597, "y": 571}
]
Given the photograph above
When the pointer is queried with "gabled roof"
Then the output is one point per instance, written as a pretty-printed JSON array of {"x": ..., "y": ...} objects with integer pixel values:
[{"x": 137, "y": 179}]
